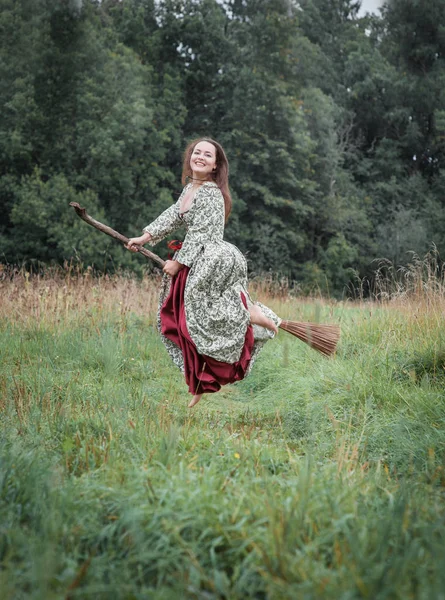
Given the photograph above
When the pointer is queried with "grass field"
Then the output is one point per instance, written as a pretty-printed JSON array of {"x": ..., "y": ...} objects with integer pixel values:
[{"x": 313, "y": 479}]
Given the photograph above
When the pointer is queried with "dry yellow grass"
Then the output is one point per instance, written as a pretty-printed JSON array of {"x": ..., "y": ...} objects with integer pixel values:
[{"x": 59, "y": 295}]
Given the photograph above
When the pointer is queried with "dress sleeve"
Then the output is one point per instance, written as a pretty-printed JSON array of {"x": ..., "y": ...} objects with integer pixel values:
[
  {"x": 167, "y": 222},
  {"x": 206, "y": 225}
]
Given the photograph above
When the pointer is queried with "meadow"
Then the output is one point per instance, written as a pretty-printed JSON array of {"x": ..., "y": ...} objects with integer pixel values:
[{"x": 312, "y": 479}]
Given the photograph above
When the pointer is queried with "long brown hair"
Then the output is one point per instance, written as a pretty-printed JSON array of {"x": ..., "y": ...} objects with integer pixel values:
[{"x": 220, "y": 176}]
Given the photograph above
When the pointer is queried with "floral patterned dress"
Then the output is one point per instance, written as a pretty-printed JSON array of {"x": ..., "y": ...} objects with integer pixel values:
[{"x": 215, "y": 296}]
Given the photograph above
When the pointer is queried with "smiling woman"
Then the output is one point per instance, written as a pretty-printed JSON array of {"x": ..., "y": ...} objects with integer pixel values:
[
  {"x": 205, "y": 160},
  {"x": 201, "y": 160},
  {"x": 207, "y": 321}
]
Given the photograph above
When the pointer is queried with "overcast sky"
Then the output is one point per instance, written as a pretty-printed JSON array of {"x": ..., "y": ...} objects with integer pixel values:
[{"x": 370, "y": 6}]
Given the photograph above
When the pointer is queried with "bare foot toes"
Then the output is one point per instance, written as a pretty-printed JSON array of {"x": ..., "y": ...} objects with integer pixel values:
[{"x": 196, "y": 398}]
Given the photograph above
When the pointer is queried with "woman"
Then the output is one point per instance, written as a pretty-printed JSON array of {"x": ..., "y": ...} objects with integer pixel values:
[{"x": 207, "y": 321}]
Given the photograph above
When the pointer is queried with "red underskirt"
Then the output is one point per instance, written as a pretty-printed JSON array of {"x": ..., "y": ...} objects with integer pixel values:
[{"x": 203, "y": 374}]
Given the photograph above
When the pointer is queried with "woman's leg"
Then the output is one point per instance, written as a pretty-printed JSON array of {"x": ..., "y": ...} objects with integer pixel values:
[
  {"x": 196, "y": 398},
  {"x": 257, "y": 317}
]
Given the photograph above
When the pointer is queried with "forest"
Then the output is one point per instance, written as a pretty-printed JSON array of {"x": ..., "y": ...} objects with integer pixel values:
[{"x": 333, "y": 123}]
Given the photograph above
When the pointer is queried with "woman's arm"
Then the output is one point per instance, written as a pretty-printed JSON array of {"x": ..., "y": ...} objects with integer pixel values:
[
  {"x": 171, "y": 267},
  {"x": 167, "y": 222},
  {"x": 134, "y": 243}
]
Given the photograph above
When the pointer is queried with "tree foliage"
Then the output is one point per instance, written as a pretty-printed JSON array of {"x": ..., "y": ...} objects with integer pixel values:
[{"x": 333, "y": 124}]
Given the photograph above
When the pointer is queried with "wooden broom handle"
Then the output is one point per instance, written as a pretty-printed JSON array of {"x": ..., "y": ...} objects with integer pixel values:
[{"x": 82, "y": 213}]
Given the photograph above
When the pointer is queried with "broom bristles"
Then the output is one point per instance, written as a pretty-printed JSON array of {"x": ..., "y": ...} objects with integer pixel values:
[{"x": 323, "y": 338}]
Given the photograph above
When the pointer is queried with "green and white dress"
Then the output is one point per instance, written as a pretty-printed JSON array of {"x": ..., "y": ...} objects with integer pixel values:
[{"x": 216, "y": 282}]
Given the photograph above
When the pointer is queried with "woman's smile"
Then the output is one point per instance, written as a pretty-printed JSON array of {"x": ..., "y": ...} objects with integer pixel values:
[{"x": 203, "y": 160}]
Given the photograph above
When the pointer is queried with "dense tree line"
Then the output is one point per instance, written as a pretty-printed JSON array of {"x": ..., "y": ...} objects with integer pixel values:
[{"x": 334, "y": 126}]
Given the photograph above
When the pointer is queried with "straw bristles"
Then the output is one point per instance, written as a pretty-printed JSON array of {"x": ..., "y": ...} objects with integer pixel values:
[{"x": 323, "y": 338}]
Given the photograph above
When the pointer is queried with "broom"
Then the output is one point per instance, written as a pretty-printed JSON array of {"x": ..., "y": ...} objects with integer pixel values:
[{"x": 323, "y": 338}]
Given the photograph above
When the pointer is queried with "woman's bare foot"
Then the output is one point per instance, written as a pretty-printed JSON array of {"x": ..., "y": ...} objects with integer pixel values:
[
  {"x": 196, "y": 398},
  {"x": 257, "y": 317}
]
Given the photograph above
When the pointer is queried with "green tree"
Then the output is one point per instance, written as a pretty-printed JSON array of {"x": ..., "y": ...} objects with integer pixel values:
[
  {"x": 95, "y": 114},
  {"x": 45, "y": 231}
]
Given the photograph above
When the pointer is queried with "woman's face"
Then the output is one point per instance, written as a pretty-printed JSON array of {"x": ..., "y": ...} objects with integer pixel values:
[{"x": 203, "y": 160}]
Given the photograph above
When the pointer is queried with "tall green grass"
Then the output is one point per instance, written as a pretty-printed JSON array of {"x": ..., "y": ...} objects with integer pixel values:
[{"x": 314, "y": 478}]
